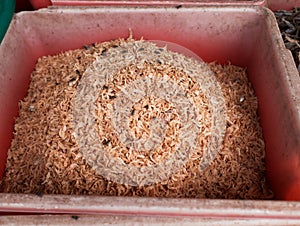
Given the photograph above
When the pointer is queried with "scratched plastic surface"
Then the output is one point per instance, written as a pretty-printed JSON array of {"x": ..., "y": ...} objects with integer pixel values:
[
  {"x": 37, "y": 4},
  {"x": 274, "y": 5}
]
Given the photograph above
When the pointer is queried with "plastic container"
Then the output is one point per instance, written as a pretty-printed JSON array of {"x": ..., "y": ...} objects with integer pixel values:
[
  {"x": 272, "y": 4},
  {"x": 283, "y": 4},
  {"x": 37, "y": 4},
  {"x": 246, "y": 36},
  {"x": 158, "y": 2},
  {"x": 237, "y": 211},
  {"x": 137, "y": 220}
]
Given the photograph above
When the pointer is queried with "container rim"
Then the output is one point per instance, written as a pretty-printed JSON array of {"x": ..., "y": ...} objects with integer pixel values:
[
  {"x": 37, "y": 4},
  {"x": 141, "y": 206}
]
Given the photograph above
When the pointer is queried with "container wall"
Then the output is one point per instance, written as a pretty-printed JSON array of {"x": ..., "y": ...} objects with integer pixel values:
[
  {"x": 283, "y": 4},
  {"x": 272, "y": 4},
  {"x": 276, "y": 82},
  {"x": 136, "y": 220},
  {"x": 163, "y": 207},
  {"x": 37, "y": 4},
  {"x": 17, "y": 62},
  {"x": 213, "y": 34},
  {"x": 244, "y": 36}
]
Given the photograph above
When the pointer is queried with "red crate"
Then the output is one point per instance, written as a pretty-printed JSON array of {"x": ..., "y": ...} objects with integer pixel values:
[{"x": 244, "y": 35}]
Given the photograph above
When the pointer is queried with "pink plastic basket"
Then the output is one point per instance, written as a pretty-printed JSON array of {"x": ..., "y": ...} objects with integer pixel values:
[{"x": 245, "y": 35}]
